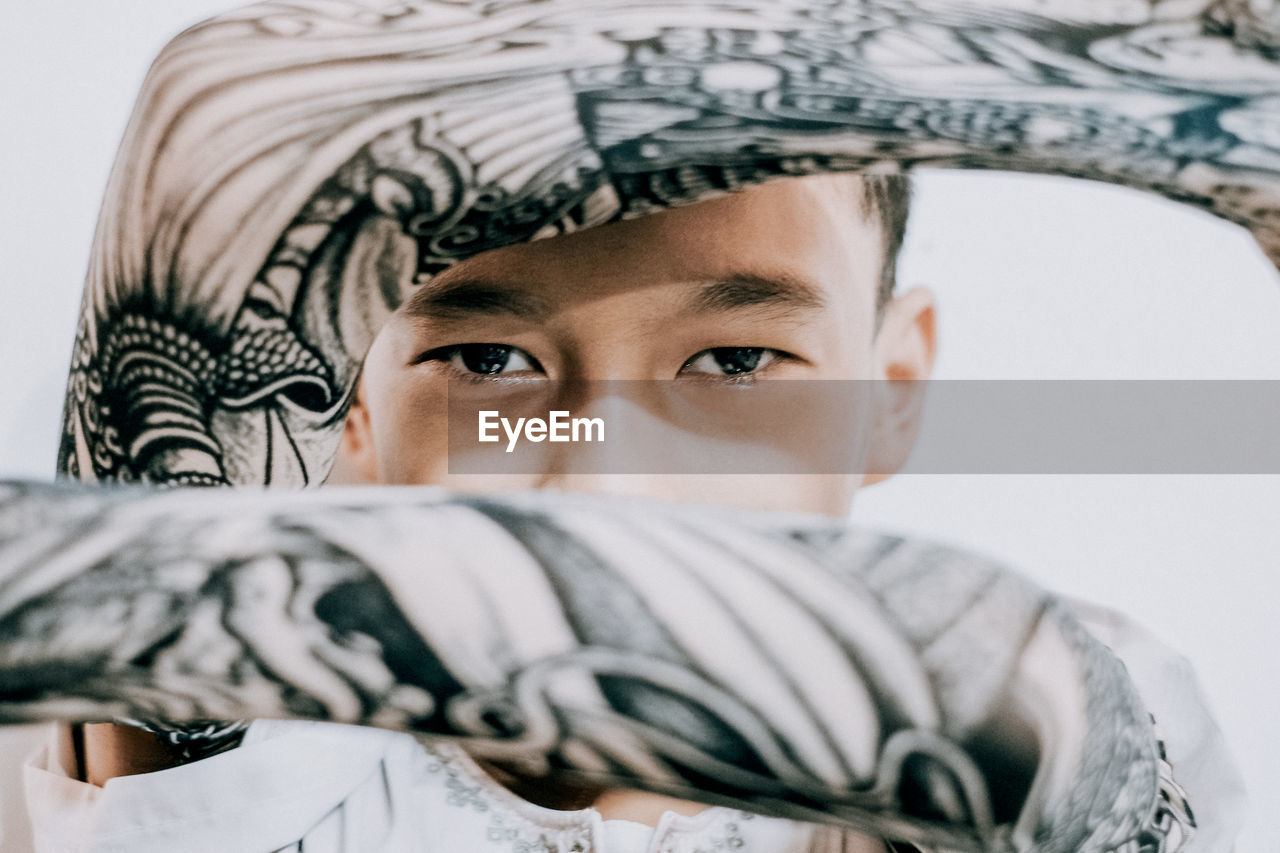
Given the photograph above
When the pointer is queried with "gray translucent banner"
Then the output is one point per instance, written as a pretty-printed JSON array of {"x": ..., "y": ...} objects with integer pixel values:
[{"x": 864, "y": 427}]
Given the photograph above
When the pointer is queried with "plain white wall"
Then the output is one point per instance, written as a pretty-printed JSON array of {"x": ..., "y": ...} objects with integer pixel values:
[{"x": 1036, "y": 278}]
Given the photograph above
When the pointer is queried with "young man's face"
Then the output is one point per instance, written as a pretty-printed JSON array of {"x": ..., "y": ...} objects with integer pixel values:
[{"x": 778, "y": 282}]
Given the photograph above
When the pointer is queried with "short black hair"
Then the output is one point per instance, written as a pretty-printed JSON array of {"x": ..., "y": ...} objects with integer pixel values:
[{"x": 888, "y": 198}]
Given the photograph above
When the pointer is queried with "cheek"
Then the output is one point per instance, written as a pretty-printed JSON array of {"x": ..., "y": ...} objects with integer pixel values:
[
  {"x": 410, "y": 427},
  {"x": 409, "y": 424}
]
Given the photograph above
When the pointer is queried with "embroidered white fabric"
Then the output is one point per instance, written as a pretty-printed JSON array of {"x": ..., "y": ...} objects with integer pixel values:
[{"x": 325, "y": 788}]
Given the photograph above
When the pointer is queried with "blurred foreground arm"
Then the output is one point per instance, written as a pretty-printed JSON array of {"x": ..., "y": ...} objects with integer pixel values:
[
  {"x": 817, "y": 673},
  {"x": 293, "y": 170}
]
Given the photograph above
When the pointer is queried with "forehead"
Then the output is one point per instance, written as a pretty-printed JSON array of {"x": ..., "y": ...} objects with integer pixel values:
[{"x": 812, "y": 231}]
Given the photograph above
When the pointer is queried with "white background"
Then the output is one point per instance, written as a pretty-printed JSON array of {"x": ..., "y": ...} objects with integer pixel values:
[{"x": 1036, "y": 278}]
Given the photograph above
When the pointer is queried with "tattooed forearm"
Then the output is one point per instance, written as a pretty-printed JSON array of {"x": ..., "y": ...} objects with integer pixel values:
[
  {"x": 293, "y": 169},
  {"x": 907, "y": 690}
]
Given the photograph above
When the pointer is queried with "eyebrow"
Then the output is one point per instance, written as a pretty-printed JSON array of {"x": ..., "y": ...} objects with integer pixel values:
[
  {"x": 465, "y": 297},
  {"x": 753, "y": 290}
]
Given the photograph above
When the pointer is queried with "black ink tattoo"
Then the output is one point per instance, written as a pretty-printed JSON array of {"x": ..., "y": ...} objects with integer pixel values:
[
  {"x": 259, "y": 233},
  {"x": 294, "y": 169},
  {"x": 937, "y": 700}
]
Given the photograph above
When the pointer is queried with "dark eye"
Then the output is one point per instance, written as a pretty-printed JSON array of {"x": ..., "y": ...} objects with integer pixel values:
[
  {"x": 485, "y": 359},
  {"x": 729, "y": 361}
]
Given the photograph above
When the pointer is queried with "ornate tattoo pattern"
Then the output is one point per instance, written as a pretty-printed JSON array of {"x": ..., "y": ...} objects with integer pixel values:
[
  {"x": 294, "y": 169},
  {"x": 799, "y": 675},
  {"x": 301, "y": 167}
]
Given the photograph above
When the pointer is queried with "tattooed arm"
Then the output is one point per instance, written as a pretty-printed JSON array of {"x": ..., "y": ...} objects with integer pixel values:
[
  {"x": 907, "y": 690},
  {"x": 292, "y": 170}
]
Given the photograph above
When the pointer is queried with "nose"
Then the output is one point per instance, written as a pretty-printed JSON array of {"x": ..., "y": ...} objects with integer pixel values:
[
  {"x": 647, "y": 456},
  {"x": 645, "y": 453},
  {"x": 624, "y": 450}
]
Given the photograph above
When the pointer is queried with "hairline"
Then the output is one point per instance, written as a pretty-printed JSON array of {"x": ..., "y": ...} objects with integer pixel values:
[{"x": 884, "y": 199}]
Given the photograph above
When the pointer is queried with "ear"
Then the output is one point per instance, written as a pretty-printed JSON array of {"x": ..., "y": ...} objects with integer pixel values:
[
  {"x": 905, "y": 347},
  {"x": 357, "y": 461}
]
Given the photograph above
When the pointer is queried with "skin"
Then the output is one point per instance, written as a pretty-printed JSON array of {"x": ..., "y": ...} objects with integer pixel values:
[
  {"x": 617, "y": 308},
  {"x": 1117, "y": 92}
]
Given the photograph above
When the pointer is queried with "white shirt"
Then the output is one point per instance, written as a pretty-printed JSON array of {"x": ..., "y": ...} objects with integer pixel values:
[{"x": 324, "y": 788}]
